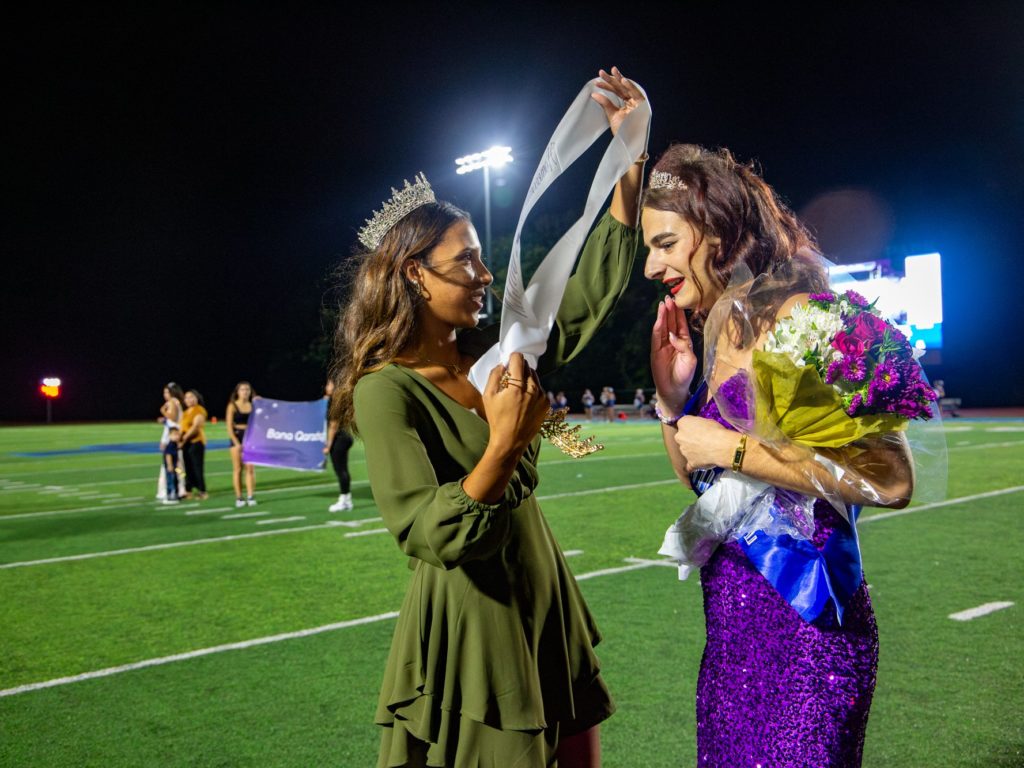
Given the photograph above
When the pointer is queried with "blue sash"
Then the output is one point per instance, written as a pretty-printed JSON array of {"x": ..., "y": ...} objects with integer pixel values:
[{"x": 810, "y": 580}]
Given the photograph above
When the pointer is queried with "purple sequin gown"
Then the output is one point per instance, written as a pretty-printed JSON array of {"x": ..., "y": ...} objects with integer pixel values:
[{"x": 775, "y": 691}]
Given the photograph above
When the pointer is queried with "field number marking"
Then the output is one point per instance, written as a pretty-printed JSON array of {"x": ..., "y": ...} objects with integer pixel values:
[{"x": 981, "y": 610}]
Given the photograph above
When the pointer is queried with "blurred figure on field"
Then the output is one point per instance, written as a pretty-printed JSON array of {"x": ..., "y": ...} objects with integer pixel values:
[
  {"x": 170, "y": 469},
  {"x": 170, "y": 416},
  {"x": 239, "y": 410},
  {"x": 640, "y": 402},
  {"x": 193, "y": 444},
  {"x": 608, "y": 403},
  {"x": 588, "y": 404},
  {"x": 561, "y": 401},
  {"x": 338, "y": 443}
]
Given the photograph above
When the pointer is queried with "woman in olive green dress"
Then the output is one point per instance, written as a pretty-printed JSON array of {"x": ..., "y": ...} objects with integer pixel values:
[{"x": 492, "y": 661}]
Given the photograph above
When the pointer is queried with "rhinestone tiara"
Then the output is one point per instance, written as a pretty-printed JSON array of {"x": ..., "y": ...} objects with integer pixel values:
[
  {"x": 662, "y": 180},
  {"x": 402, "y": 203}
]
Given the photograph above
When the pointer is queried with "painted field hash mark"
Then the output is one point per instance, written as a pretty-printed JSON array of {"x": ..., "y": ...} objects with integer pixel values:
[{"x": 981, "y": 610}]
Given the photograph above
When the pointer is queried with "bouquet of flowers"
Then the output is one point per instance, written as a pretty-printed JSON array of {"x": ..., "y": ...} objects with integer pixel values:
[
  {"x": 835, "y": 371},
  {"x": 832, "y": 373}
]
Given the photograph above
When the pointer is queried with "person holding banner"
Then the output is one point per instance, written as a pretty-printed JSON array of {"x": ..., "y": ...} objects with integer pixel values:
[
  {"x": 237, "y": 419},
  {"x": 492, "y": 661},
  {"x": 789, "y": 666}
]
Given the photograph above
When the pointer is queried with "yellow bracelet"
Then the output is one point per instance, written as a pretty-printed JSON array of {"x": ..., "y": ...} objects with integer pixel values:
[{"x": 741, "y": 451}]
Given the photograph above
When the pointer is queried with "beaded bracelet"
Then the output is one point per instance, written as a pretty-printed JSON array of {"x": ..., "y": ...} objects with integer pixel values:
[{"x": 669, "y": 421}]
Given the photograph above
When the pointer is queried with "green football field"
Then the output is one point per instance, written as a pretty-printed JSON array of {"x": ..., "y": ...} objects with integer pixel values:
[{"x": 135, "y": 634}]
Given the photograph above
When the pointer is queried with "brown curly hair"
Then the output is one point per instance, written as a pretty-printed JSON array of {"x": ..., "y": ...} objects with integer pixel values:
[{"x": 729, "y": 200}]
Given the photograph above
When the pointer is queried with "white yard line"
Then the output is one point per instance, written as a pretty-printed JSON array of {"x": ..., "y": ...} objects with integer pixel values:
[
  {"x": 937, "y": 504},
  {"x": 280, "y": 520},
  {"x": 51, "y": 512},
  {"x": 196, "y": 654},
  {"x": 609, "y": 489},
  {"x": 197, "y": 510},
  {"x": 976, "y": 446},
  {"x": 572, "y": 553},
  {"x": 981, "y": 610},
  {"x": 635, "y": 564},
  {"x": 240, "y": 515},
  {"x": 168, "y": 545},
  {"x": 335, "y": 523}
]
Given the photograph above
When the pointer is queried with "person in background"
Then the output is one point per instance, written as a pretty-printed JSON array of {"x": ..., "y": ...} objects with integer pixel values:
[
  {"x": 193, "y": 445},
  {"x": 639, "y": 402},
  {"x": 339, "y": 442},
  {"x": 170, "y": 456},
  {"x": 588, "y": 404},
  {"x": 170, "y": 416},
  {"x": 561, "y": 401},
  {"x": 608, "y": 403},
  {"x": 239, "y": 410}
]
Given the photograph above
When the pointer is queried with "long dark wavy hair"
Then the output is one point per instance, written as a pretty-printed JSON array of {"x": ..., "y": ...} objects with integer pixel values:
[
  {"x": 729, "y": 200},
  {"x": 378, "y": 317},
  {"x": 233, "y": 400}
]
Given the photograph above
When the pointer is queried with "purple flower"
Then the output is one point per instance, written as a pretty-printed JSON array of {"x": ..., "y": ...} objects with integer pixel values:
[
  {"x": 855, "y": 403},
  {"x": 853, "y": 369},
  {"x": 826, "y": 297},
  {"x": 856, "y": 299},
  {"x": 834, "y": 371},
  {"x": 886, "y": 377}
]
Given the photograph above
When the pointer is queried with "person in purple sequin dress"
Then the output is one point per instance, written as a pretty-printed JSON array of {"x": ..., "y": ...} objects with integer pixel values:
[{"x": 774, "y": 689}]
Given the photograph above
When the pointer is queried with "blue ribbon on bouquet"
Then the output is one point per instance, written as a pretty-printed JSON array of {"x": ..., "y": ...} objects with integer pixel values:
[{"x": 807, "y": 578}]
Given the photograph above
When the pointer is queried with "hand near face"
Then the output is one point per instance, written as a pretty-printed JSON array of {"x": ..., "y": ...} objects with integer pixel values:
[
  {"x": 625, "y": 89},
  {"x": 516, "y": 411},
  {"x": 673, "y": 362}
]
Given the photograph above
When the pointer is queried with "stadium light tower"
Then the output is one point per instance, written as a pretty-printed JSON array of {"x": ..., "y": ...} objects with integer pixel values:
[
  {"x": 50, "y": 389},
  {"x": 495, "y": 157}
]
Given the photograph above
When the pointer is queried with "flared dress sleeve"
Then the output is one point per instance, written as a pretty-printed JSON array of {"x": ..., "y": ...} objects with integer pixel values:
[{"x": 591, "y": 294}]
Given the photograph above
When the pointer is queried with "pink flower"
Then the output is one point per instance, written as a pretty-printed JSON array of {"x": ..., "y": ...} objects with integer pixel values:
[
  {"x": 868, "y": 328},
  {"x": 849, "y": 344}
]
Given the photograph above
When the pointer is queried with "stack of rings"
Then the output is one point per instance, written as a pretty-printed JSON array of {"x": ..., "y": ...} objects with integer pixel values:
[{"x": 506, "y": 380}]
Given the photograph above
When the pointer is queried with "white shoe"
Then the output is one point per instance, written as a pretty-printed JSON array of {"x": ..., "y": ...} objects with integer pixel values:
[
  {"x": 251, "y": 501},
  {"x": 171, "y": 500},
  {"x": 239, "y": 503},
  {"x": 343, "y": 504}
]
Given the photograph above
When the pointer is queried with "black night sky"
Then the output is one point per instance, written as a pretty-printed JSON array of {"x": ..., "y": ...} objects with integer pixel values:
[{"x": 182, "y": 179}]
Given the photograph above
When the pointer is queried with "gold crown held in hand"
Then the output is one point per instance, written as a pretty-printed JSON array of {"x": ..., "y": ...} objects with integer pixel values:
[
  {"x": 565, "y": 438},
  {"x": 402, "y": 203}
]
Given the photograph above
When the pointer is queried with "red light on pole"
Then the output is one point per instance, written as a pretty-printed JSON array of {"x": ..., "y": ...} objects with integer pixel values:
[{"x": 50, "y": 389}]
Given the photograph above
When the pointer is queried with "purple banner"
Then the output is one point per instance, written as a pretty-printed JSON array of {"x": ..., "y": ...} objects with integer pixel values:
[{"x": 286, "y": 434}]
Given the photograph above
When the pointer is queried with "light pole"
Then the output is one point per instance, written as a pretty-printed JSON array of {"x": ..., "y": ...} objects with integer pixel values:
[
  {"x": 50, "y": 389},
  {"x": 495, "y": 157}
]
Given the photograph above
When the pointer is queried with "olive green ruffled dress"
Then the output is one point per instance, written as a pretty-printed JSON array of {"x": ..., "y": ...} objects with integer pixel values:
[{"x": 492, "y": 659}]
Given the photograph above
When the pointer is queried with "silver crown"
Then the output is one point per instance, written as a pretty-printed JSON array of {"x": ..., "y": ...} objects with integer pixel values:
[
  {"x": 662, "y": 180},
  {"x": 402, "y": 203}
]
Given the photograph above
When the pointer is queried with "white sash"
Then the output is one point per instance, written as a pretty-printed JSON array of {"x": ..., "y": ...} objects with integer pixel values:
[{"x": 528, "y": 314}]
